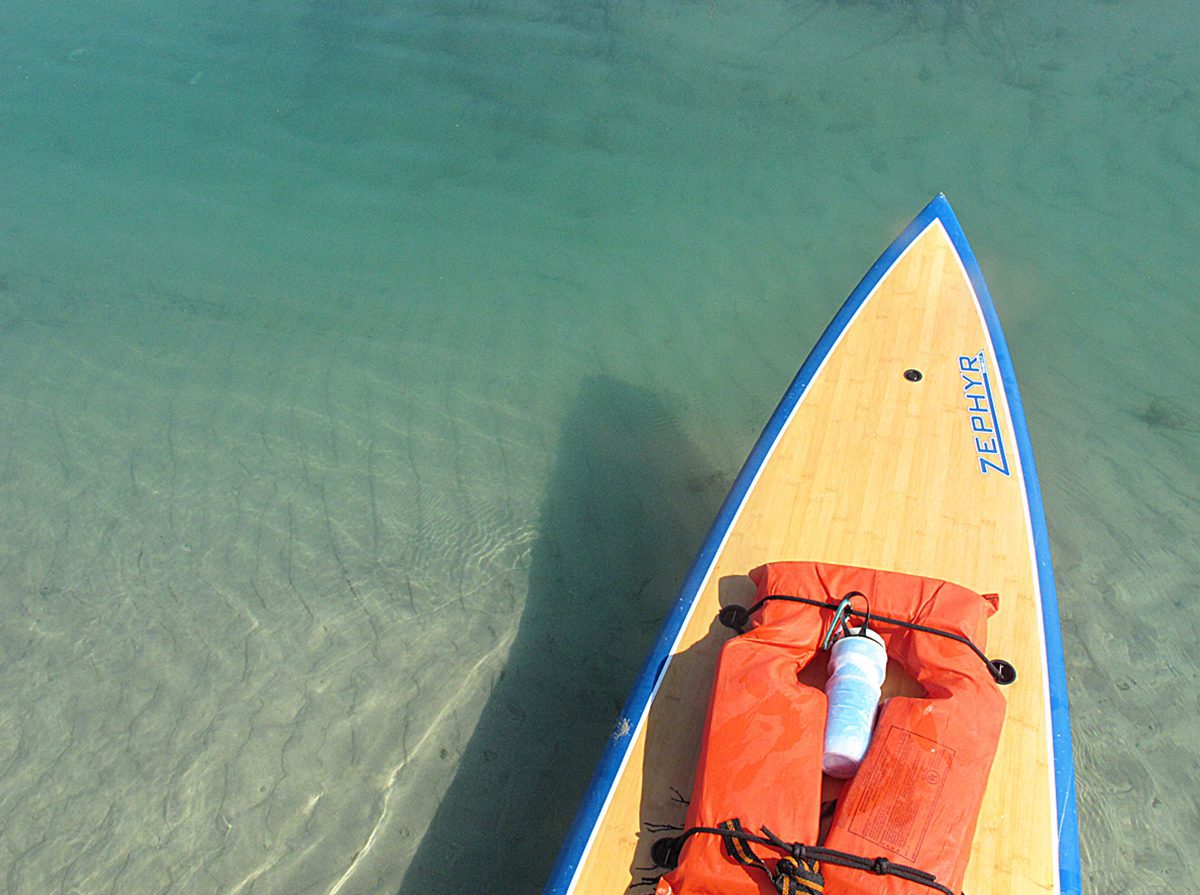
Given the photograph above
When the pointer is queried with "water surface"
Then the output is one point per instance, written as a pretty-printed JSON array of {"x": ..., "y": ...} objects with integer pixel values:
[{"x": 370, "y": 372}]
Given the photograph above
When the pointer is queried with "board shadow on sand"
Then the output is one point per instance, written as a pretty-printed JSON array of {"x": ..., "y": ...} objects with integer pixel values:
[{"x": 627, "y": 504}]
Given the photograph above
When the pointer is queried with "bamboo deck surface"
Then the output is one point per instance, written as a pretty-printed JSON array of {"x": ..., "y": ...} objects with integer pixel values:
[{"x": 872, "y": 470}]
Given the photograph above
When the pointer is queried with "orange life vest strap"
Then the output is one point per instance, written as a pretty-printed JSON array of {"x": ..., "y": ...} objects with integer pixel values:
[{"x": 798, "y": 870}]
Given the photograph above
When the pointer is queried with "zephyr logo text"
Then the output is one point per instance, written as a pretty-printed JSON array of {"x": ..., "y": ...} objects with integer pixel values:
[{"x": 981, "y": 409}]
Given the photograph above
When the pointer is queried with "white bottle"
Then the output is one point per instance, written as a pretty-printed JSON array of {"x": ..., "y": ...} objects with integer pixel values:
[{"x": 857, "y": 666}]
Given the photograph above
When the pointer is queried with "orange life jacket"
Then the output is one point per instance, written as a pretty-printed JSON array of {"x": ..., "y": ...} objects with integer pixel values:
[{"x": 915, "y": 799}]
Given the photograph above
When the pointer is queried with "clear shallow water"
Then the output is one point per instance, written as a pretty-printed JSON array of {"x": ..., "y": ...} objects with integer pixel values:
[{"x": 371, "y": 372}]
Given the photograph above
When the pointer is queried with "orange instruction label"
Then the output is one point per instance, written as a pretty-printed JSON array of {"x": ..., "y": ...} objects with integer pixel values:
[{"x": 897, "y": 800}]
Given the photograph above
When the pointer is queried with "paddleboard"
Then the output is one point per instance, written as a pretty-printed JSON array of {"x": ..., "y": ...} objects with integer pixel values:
[{"x": 901, "y": 444}]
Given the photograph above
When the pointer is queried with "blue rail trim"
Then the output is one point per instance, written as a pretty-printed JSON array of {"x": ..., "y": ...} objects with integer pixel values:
[{"x": 635, "y": 706}]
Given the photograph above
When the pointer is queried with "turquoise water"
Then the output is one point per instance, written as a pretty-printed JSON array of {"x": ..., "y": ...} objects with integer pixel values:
[{"x": 370, "y": 372}]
